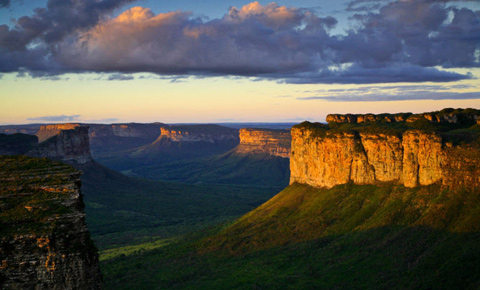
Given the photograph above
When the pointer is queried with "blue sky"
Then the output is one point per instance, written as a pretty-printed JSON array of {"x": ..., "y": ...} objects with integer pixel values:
[{"x": 209, "y": 61}]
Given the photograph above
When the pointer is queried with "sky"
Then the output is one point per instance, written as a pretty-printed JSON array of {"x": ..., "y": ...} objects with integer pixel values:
[{"x": 214, "y": 61}]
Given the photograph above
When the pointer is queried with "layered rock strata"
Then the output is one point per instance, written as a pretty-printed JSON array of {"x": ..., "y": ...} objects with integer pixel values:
[
  {"x": 324, "y": 158},
  {"x": 198, "y": 133},
  {"x": 264, "y": 141},
  {"x": 448, "y": 116},
  {"x": 44, "y": 242},
  {"x": 69, "y": 145}
]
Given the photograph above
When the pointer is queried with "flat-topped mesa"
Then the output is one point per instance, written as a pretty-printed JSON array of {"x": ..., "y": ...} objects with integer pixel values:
[
  {"x": 198, "y": 133},
  {"x": 264, "y": 141},
  {"x": 48, "y": 131},
  {"x": 69, "y": 145},
  {"x": 325, "y": 157},
  {"x": 44, "y": 241},
  {"x": 446, "y": 116}
]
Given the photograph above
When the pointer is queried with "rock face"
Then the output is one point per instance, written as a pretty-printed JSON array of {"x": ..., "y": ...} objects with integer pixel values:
[
  {"x": 44, "y": 242},
  {"x": 264, "y": 141},
  {"x": 445, "y": 116},
  {"x": 198, "y": 133},
  {"x": 324, "y": 158},
  {"x": 48, "y": 131},
  {"x": 65, "y": 142},
  {"x": 69, "y": 145}
]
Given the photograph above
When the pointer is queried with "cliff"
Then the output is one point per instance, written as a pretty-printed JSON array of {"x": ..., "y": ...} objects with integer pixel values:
[
  {"x": 445, "y": 116},
  {"x": 44, "y": 242},
  {"x": 264, "y": 141},
  {"x": 325, "y": 156},
  {"x": 198, "y": 133},
  {"x": 69, "y": 145},
  {"x": 48, "y": 131}
]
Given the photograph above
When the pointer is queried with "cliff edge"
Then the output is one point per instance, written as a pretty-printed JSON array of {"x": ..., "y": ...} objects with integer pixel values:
[
  {"x": 411, "y": 153},
  {"x": 44, "y": 242},
  {"x": 264, "y": 141}
]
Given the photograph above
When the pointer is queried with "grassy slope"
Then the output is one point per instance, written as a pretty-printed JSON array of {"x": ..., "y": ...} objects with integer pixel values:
[
  {"x": 123, "y": 210},
  {"x": 348, "y": 237}
]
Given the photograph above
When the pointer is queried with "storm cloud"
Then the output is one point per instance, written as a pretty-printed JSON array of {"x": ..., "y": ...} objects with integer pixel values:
[{"x": 400, "y": 41}]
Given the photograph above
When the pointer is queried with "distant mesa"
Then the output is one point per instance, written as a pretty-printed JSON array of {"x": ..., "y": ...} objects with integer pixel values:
[
  {"x": 64, "y": 142},
  {"x": 264, "y": 141},
  {"x": 48, "y": 131}
]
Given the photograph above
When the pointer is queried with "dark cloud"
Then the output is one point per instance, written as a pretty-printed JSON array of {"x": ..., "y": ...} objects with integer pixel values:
[
  {"x": 405, "y": 96},
  {"x": 120, "y": 77},
  {"x": 60, "y": 118},
  {"x": 4, "y": 3},
  {"x": 397, "y": 41}
]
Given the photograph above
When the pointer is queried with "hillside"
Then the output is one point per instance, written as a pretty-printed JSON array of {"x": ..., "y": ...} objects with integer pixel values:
[
  {"x": 260, "y": 159},
  {"x": 123, "y": 210},
  {"x": 346, "y": 237}
]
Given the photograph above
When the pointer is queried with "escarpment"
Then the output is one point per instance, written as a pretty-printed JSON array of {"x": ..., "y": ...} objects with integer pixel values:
[
  {"x": 66, "y": 142},
  {"x": 44, "y": 242},
  {"x": 264, "y": 141},
  {"x": 325, "y": 156},
  {"x": 69, "y": 145},
  {"x": 198, "y": 133}
]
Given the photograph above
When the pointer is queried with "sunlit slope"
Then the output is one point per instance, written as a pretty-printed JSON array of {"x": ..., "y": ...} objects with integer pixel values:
[
  {"x": 347, "y": 237},
  {"x": 301, "y": 213}
]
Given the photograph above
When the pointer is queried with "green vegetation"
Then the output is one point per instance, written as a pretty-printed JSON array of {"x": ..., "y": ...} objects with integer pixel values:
[
  {"x": 230, "y": 168},
  {"x": 32, "y": 192},
  {"x": 347, "y": 237},
  {"x": 125, "y": 211},
  {"x": 134, "y": 249}
]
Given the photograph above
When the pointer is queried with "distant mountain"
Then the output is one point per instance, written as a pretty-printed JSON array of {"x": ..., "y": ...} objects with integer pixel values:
[{"x": 260, "y": 159}]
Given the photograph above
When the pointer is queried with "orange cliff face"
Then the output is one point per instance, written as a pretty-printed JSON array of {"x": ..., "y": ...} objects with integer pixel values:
[
  {"x": 65, "y": 142},
  {"x": 264, "y": 141},
  {"x": 198, "y": 133},
  {"x": 412, "y": 158},
  {"x": 48, "y": 131}
]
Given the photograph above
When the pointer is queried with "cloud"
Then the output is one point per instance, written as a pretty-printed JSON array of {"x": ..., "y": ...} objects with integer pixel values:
[
  {"x": 405, "y": 96},
  {"x": 120, "y": 77},
  {"x": 58, "y": 118},
  {"x": 4, "y": 3},
  {"x": 396, "y": 41}
]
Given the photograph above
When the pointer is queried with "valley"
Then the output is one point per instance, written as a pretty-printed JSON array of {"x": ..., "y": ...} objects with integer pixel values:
[{"x": 363, "y": 202}]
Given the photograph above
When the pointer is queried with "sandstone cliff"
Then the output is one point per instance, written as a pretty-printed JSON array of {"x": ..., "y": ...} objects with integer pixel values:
[
  {"x": 324, "y": 157},
  {"x": 69, "y": 145},
  {"x": 198, "y": 133},
  {"x": 446, "y": 116},
  {"x": 44, "y": 242},
  {"x": 264, "y": 141},
  {"x": 48, "y": 131}
]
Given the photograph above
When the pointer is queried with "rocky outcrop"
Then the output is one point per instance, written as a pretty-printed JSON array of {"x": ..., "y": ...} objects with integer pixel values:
[
  {"x": 198, "y": 133},
  {"x": 65, "y": 142},
  {"x": 445, "y": 116},
  {"x": 69, "y": 145},
  {"x": 44, "y": 241},
  {"x": 325, "y": 158},
  {"x": 48, "y": 131},
  {"x": 264, "y": 141}
]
